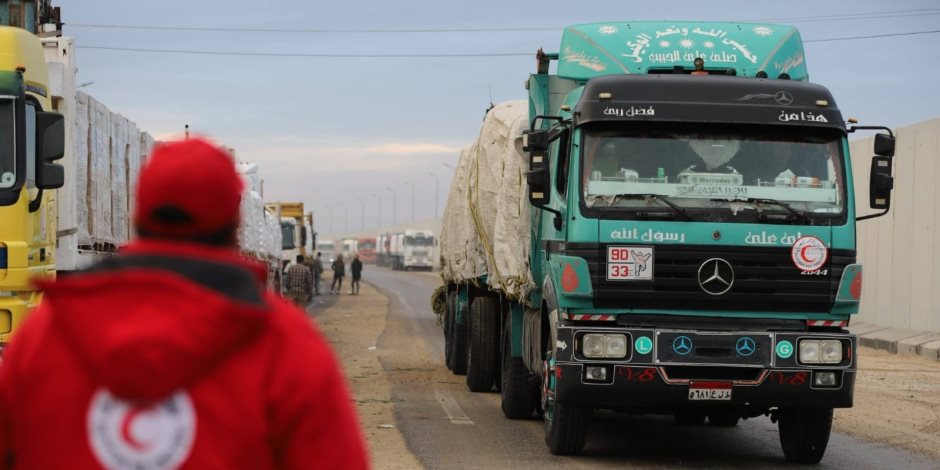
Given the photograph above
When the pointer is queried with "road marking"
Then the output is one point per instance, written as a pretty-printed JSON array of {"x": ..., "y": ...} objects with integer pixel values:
[{"x": 451, "y": 408}]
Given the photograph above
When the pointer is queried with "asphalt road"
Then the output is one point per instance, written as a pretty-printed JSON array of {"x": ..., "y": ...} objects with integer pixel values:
[{"x": 447, "y": 426}]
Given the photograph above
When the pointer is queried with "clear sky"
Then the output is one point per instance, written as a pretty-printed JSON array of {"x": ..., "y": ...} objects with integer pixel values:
[{"x": 329, "y": 131}]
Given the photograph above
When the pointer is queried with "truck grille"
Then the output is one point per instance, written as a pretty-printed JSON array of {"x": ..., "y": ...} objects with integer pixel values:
[{"x": 765, "y": 279}]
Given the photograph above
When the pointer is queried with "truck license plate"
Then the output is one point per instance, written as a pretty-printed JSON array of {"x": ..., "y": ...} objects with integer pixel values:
[{"x": 710, "y": 391}]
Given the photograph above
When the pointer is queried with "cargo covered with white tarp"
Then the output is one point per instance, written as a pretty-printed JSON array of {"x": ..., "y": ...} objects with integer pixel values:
[{"x": 486, "y": 220}]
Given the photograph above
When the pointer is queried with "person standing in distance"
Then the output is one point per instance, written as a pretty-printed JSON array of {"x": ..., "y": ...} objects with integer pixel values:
[
  {"x": 172, "y": 355},
  {"x": 317, "y": 273},
  {"x": 299, "y": 283},
  {"x": 339, "y": 271},
  {"x": 356, "y": 268}
]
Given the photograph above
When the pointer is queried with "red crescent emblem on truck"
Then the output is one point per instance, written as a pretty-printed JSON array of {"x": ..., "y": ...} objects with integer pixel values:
[{"x": 809, "y": 253}]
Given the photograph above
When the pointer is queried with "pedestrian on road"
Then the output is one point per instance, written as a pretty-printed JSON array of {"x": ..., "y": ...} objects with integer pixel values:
[
  {"x": 172, "y": 354},
  {"x": 317, "y": 273},
  {"x": 299, "y": 283},
  {"x": 356, "y": 268},
  {"x": 339, "y": 271}
]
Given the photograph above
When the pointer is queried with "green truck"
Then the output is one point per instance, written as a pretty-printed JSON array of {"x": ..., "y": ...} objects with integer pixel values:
[{"x": 688, "y": 245}]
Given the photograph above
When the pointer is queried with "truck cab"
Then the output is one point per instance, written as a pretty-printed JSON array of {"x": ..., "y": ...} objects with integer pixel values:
[
  {"x": 693, "y": 231},
  {"x": 31, "y": 139}
]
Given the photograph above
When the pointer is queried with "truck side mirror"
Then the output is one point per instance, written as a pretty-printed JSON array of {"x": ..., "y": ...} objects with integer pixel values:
[
  {"x": 303, "y": 235},
  {"x": 881, "y": 182},
  {"x": 50, "y": 146},
  {"x": 536, "y": 143},
  {"x": 884, "y": 145}
]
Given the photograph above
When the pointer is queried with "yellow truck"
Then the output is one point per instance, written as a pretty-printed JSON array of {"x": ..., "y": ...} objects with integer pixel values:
[
  {"x": 31, "y": 139},
  {"x": 297, "y": 236}
]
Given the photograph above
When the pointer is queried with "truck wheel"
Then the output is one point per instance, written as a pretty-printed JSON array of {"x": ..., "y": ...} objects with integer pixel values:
[
  {"x": 483, "y": 350},
  {"x": 519, "y": 393},
  {"x": 458, "y": 342},
  {"x": 565, "y": 422},
  {"x": 804, "y": 434},
  {"x": 449, "y": 314}
]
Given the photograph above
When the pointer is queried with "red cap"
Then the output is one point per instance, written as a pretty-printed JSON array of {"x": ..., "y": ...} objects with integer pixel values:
[{"x": 187, "y": 188}]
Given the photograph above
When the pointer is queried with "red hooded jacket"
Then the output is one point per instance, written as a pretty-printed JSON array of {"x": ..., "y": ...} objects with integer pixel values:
[{"x": 173, "y": 356}]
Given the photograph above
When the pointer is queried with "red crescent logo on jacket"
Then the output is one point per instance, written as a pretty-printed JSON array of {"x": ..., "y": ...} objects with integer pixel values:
[{"x": 153, "y": 437}]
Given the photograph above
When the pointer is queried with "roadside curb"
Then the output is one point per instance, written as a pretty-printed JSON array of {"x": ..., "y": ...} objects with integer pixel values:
[{"x": 898, "y": 340}]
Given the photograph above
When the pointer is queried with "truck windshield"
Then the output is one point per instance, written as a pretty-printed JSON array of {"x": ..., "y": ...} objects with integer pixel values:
[
  {"x": 287, "y": 236},
  {"x": 326, "y": 247},
  {"x": 366, "y": 245},
  {"x": 715, "y": 167},
  {"x": 419, "y": 241},
  {"x": 7, "y": 147}
]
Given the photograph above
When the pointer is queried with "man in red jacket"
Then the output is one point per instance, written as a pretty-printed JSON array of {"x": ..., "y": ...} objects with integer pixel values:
[{"x": 172, "y": 354}]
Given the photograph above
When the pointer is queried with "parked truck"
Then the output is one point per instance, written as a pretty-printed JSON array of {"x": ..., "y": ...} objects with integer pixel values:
[
  {"x": 296, "y": 227},
  {"x": 666, "y": 225},
  {"x": 411, "y": 250},
  {"x": 366, "y": 249}
]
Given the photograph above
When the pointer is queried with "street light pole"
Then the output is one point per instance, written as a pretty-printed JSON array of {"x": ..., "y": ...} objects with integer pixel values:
[
  {"x": 394, "y": 205},
  {"x": 409, "y": 183},
  {"x": 330, "y": 208},
  {"x": 437, "y": 192},
  {"x": 345, "y": 217},
  {"x": 363, "y": 204},
  {"x": 376, "y": 196}
]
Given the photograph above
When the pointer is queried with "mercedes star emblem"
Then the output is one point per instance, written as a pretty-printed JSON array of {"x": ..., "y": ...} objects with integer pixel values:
[
  {"x": 783, "y": 98},
  {"x": 715, "y": 276},
  {"x": 746, "y": 346},
  {"x": 682, "y": 345}
]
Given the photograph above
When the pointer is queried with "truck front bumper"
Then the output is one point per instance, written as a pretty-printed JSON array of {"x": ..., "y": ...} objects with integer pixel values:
[{"x": 654, "y": 375}]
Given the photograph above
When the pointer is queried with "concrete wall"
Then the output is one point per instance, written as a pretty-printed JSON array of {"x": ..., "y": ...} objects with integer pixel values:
[{"x": 901, "y": 251}]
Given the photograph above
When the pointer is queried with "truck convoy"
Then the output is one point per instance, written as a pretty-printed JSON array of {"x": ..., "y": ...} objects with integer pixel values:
[
  {"x": 63, "y": 216},
  {"x": 666, "y": 225}
]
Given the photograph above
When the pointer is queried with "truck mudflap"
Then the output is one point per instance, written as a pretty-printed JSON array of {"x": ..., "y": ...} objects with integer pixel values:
[{"x": 674, "y": 369}]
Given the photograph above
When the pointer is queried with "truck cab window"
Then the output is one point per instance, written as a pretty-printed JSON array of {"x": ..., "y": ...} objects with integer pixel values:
[
  {"x": 30, "y": 145},
  {"x": 560, "y": 151},
  {"x": 7, "y": 149}
]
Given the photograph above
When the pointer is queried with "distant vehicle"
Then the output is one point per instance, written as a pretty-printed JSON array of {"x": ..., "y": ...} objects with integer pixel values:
[
  {"x": 383, "y": 255},
  {"x": 327, "y": 250},
  {"x": 349, "y": 247},
  {"x": 366, "y": 249},
  {"x": 413, "y": 249},
  {"x": 295, "y": 229}
]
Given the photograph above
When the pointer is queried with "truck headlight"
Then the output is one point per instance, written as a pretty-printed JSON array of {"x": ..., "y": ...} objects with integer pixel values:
[
  {"x": 821, "y": 351},
  {"x": 604, "y": 345},
  {"x": 593, "y": 345}
]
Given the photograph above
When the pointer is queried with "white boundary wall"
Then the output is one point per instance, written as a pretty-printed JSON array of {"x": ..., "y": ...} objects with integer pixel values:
[{"x": 901, "y": 251}]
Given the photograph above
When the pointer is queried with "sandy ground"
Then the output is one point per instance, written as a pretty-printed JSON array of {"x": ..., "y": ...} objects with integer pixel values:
[
  {"x": 897, "y": 401},
  {"x": 897, "y": 398},
  {"x": 353, "y": 326}
]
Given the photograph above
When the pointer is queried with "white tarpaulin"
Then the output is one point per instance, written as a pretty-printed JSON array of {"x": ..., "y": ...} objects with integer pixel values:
[{"x": 487, "y": 218}]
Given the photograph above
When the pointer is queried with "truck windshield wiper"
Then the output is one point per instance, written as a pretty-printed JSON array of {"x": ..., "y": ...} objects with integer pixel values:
[
  {"x": 753, "y": 200},
  {"x": 678, "y": 210}
]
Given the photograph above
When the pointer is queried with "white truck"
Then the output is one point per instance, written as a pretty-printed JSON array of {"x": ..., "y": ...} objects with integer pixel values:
[{"x": 412, "y": 249}]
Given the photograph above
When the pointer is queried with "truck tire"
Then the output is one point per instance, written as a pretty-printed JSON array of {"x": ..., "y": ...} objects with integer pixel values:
[
  {"x": 804, "y": 433},
  {"x": 483, "y": 344},
  {"x": 449, "y": 314},
  {"x": 458, "y": 342},
  {"x": 520, "y": 394}
]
